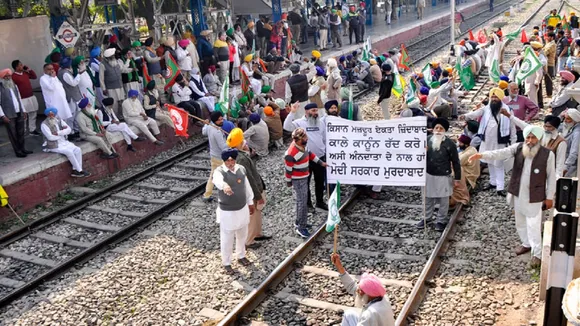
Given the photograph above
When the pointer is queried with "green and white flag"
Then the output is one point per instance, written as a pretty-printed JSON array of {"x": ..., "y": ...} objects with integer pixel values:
[
  {"x": 528, "y": 66},
  {"x": 494, "y": 71},
  {"x": 412, "y": 91},
  {"x": 223, "y": 102},
  {"x": 366, "y": 55},
  {"x": 333, "y": 206},
  {"x": 465, "y": 75},
  {"x": 427, "y": 74},
  {"x": 350, "y": 105}
]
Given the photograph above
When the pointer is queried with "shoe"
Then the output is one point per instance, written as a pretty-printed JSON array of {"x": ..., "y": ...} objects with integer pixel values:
[
  {"x": 489, "y": 187},
  {"x": 77, "y": 174},
  {"x": 21, "y": 154},
  {"x": 501, "y": 193},
  {"x": 130, "y": 148},
  {"x": 303, "y": 233},
  {"x": 421, "y": 224},
  {"x": 522, "y": 250},
  {"x": 372, "y": 194},
  {"x": 86, "y": 174},
  {"x": 229, "y": 270},
  {"x": 440, "y": 227},
  {"x": 244, "y": 262},
  {"x": 254, "y": 245},
  {"x": 35, "y": 133},
  {"x": 309, "y": 204},
  {"x": 207, "y": 199},
  {"x": 322, "y": 206},
  {"x": 263, "y": 238},
  {"x": 139, "y": 139},
  {"x": 27, "y": 152},
  {"x": 116, "y": 154},
  {"x": 159, "y": 142},
  {"x": 535, "y": 262}
]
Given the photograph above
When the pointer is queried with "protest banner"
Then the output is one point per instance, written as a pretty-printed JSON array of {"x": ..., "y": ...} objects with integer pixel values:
[{"x": 384, "y": 152}]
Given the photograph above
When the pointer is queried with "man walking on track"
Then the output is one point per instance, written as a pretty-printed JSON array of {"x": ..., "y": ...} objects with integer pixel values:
[
  {"x": 235, "y": 205},
  {"x": 532, "y": 187}
]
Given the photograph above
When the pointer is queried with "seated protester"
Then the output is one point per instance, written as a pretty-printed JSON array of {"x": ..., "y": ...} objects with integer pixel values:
[
  {"x": 182, "y": 96},
  {"x": 244, "y": 112},
  {"x": 436, "y": 103},
  {"x": 343, "y": 110},
  {"x": 345, "y": 72},
  {"x": 316, "y": 59},
  {"x": 111, "y": 123},
  {"x": 470, "y": 171},
  {"x": 460, "y": 189},
  {"x": 562, "y": 100},
  {"x": 54, "y": 130},
  {"x": 364, "y": 79},
  {"x": 257, "y": 135},
  {"x": 370, "y": 296},
  {"x": 471, "y": 128},
  {"x": 275, "y": 62},
  {"x": 316, "y": 87},
  {"x": 135, "y": 116},
  {"x": 212, "y": 82},
  {"x": 152, "y": 106},
  {"x": 256, "y": 83},
  {"x": 295, "y": 54},
  {"x": 375, "y": 71},
  {"x": 200, "y": 92},
  {"x": 272, "y": 120},
  {"x": 92, "y": 130}
]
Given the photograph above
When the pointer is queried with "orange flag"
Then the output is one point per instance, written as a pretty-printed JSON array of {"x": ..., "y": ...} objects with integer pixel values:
[
  {"x": 180, "y": 120},
  {"x": 524, "y": 37},
  {"x": 471, "y": 37}
]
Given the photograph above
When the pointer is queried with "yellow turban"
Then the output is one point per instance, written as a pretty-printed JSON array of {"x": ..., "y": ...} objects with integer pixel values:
[
  {"x": 497, "y": 92},
  {"x": 69, "y": 52},
  {"x": 449, "y": 69},
  {"x": 536, "y": 45},
  {"x": 249, "y": 57},
  {"x": 235, "y": 138},
  {"x": 503, "y": 84},
  {"x": 373, "y": 61},
  {"x": 316, "y": 54}
]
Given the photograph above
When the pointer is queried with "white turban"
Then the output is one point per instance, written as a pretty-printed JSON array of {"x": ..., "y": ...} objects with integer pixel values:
[
  {"x": 109, "y": 52},
  {"x": 574, "y": 114},
  {"x": 407, "y": 113},
  {"x": 535, "y": 130}
]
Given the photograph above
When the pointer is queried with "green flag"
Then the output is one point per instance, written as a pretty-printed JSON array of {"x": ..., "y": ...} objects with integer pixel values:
[
  {"x": 350, "y": 105},
  {"x": 398, "y": 85},
  {"x": 367, "y": 50},
  {"x": 333, "y": 206},
  {"x": 224, "y": 94},
  {"x": 494, "y": 71},
  {"x": 235, "y": 109},
  {"x": 465, "y": 75},
  {"x": 411, "y": 96},
  {"x": 427, "y": 74},
  {"x": 528, "y": 66},
  {"x": 514, "y": 35}
]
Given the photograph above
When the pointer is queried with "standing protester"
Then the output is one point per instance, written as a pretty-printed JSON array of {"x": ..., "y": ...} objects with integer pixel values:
[
  {"x": 532, "y": 187},
  {"x": 222, "y": 54},
  {"x": 562, "y": 48},
  {"x": 323, "y": 26},
  {"x": 236, "y": 140},
  {"x": 334, "y": 81},
  {"x": 54, "y": 94},
  {"x": 385, "y": 90},
  {"x": 353, "y": 25},
  {"x": 111, "y": 81},
  {"x": 93, "y": 71},
  {"x": 442, "y": 161},
  {"x": 54, "y": 130},
  {"x": 571, "y": 133},
  {"x": 93, "y": 131},
  {"x": 550, "y": 53},
  {"x": 71, "y": 87},
  {"x": 498, "y": 132},
  {"x": 12, "y": 113},
  {"x": 21, "y": 77},
  {"x": 235, "y": 205},
  {"x": 135, "y": 116},
  {"x": 111, "y": 123},
  {"x": 316, "y": 131},
  {"x": 129, "y": 71},
  {"x": 297, "y": 88},
  {"x": 217, "y": 144},
  {"x": 184, "y": 58},
  {"x": 470, "y": 170},
  {"x": 297, "y": 160},
  {"x": 257, "y": 135},
  {"x": 335, "y": 22},
  {"x": 205, "y": 50},
  {"x": 154, "y": 65},
  {"x": 369, "y": 295},
  {"x": 85, "y": 83},
  {"x": 420, "y": 9},
  {"x": 522, "y": 107}
]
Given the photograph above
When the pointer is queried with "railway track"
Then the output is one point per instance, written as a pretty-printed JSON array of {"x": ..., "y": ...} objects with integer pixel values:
[
  {"x": 39, "y": 251},
  {"x": 385, "y": 236}
]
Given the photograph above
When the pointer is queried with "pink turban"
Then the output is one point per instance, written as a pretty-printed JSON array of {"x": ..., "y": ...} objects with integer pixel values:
[
  {"x": 183, "y": 43},
  {"x": 5, "y": 72},
  {"x": 371, "y": 285},
  {"x": 567, "y": 75}
]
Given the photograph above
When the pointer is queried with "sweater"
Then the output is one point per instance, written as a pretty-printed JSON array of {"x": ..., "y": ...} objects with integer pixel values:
[
  {"x": 22, "y": 80},
  {"x": 440, "y": 162},
  {"x": 256, "y": 181},
  {"x": 296, "y": 162}
]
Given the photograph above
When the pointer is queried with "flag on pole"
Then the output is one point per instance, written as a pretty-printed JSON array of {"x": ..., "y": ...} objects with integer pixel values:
[
  {"x": 333, "y": 206},
  {"x": 224, "y": 95},
  {"x": 405, "y": 60},
  {"x": 171, "y": 73},
  {"x": 494, "y": 71},
  {"x": 3, "y": 197},
  {"x": 411, "y": 95},
  {"x": 350, "y": 105},
  {"x": 513, "y": 35},
  {"x": 235, "y": 109},
  {"x": 465, "y": 75},
  {"x": 146, "y": 77},
  {"x": 528, "y": 66},
  {"x": 427, "y": 74},
  {"x": 398, "y": 85},
  {"x": 524, "y": 38},
  {"x": 180, "y": 120},
  {"x": 254, "y": 48},
  {"x": 471, "y": 37},
  {"x": 481, "y": 38},
  {"x": 245, "y": 81},
  {"x": 367, "y": 50}
]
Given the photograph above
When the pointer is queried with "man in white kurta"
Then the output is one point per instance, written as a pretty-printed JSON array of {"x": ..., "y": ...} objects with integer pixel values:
[
  {"x": 54, "y": 94},
  {"x": 235, "y": 205},
  {"x": 110, "y": 121},
  {"x": 491, "y": 121},
  {"x": 135, "y": 116},
  {"x": 200, "y": 92},
  {"x": 54, "y": 130},
  {"x": 532, "y": 187}
]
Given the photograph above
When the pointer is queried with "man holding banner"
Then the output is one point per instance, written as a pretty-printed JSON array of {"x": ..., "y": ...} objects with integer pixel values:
[{"x": 442, "y": 156}]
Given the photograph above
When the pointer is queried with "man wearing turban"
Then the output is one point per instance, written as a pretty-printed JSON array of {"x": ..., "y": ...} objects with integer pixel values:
[
  {"x": 235, "y": 205},
  {"x": 571, "y": 132},
  {"x": 109, "y": 120},
  {"x": 55, "y": 95},
  {"x": 257, "y": 135},
  {"x": 524, "y": 108},
  {"x": 369, "y": 295},
  {"x": 12, "y": 113},
  {"x": 315, "y": 127},
  {"x": 211, "y": 81},
  {"x": 274, "y": 123},
  {"x": 200, "y": 92},
  {"x": 71, "y": 88},
  {"x": 562, "y": 100},
  {"x": 110, "y": 71},
  {"x": 21, "y": 78},
  {"x": 498, "y": 132},
  {"x": 297, "y": 88},
  {"x": 217, "y": 144},
  {"x": 135, "y": 116},
  {"x": 93, "y": 131},
  {"x": 531, "y": 189},
  {"x": 55, "y": 130},
  {"x": 129, "y": 70},
  {"x": 153, "y": 108}
]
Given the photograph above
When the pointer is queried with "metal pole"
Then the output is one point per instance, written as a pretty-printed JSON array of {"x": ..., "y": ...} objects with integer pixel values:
[
  {"x": 452, "y": 6},
  {"x": 276, "y": 10},
  {"x": 562, "y": 251}
]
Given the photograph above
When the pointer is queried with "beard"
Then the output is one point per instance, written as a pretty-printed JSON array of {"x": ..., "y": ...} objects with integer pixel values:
[
  {"x": 495, "y": 106},
  {"x": 51, "y": 121},
  {"x": 529, "y": 151},
  {"x": 91, "y": 111},
  {"x": 566, "y": 129},
  {"x": 333, "y": 113},
  {"x": 436, "y": 140},
  {"x": 312, "y": 120},
  {"x": 548, "y": 136},
  {"x": 8, "y": 83},
  {"x": 360, "y": 300}
]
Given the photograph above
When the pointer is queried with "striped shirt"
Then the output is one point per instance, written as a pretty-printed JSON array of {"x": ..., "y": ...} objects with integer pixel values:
[{"x": 296, "y": 162}]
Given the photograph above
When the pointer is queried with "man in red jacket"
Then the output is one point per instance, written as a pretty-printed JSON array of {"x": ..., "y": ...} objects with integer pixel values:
[{"x": 21, "y": 77}]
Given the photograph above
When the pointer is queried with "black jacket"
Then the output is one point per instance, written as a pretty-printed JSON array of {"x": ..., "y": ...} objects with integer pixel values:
[
  {"x": 440, "y": 162},
  {"x": 385, "y": 87}
]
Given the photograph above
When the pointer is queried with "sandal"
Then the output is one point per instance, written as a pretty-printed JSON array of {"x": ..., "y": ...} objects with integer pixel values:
[
  {"x": 229, "y": 270},
  {"x": 244, "y": 262}
]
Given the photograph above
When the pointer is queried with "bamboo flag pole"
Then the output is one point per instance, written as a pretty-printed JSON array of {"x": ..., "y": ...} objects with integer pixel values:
[{"x": 335, "y": 239}]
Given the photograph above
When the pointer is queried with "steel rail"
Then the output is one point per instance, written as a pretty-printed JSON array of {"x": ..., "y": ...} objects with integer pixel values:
[{"x": 101, "y": 194}]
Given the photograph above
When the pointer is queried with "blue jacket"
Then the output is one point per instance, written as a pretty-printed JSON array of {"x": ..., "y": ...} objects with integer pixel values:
[{"x": 204, "y": 48}]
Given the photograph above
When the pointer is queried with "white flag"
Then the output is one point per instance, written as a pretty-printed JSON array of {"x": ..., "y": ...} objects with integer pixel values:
[{"x": 529, "y": 65}]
